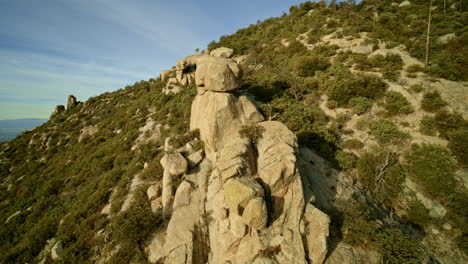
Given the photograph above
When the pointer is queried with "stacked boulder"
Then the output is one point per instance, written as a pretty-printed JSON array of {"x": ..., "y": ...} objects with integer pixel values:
[{"x": 246, "y": 198}]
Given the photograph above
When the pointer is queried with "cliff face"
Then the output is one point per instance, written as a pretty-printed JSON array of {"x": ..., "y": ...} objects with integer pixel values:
[{"x": 244, "y": 202}]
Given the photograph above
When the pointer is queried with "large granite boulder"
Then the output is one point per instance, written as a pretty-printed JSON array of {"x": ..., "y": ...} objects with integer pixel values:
[
  {"x": 222, "y": 52},
  {"x": 238, "y": 193},
  {"x": 218, "y": 74},
  {"x": 174, "y": 163}
]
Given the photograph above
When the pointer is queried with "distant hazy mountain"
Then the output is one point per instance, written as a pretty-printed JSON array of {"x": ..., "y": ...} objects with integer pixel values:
[{"x": 9, "y": 129}]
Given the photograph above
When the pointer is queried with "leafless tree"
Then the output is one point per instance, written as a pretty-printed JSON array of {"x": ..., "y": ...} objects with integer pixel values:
[{"x": 426, "y": 62}]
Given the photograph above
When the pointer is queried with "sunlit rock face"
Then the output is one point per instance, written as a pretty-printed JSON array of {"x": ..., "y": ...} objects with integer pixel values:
[{"x": 244, "y": 198}]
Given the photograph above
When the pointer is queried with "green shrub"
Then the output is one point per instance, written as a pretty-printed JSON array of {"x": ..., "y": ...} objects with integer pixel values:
[
  {"x": 154, "y": 171},
  {"x": 353, "y": 144},
  {"x": 416, "y": 88},
  {"x": 358, "y": 227},
  {"x": 418, "y": 214},
  {"x": 397, "y": 104},
  {"x": 346, "y": 160},
  {"x": 432, "y": 167},
  {"x": 345, "y": 85},
  {"x": 432, "y": 102},
  {"x": 413, "y": 68},
  {"x": 307, "y": 66},
  {"x": 360, "y": 105},
  {"x": 458, "y": 144},
  {"x": 386, "y": 131},
  {"x": 342, "y": 118},
  {"x": 391, "y": 75},
  {"x": 397, "y": 247},
  {"x": 253, "y": 132},
  {"x": 332, "y": 104},
  {"x": 381, "y": 173},
  {"x": 390, "y": 61},
  {"x": 362, "y": 124},
  {"x": 447, "y": 122},
  {"x": 427, "y": 126}
]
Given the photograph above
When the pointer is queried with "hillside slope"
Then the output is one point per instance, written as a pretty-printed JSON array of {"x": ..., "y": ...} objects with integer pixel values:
[{"x": 141, "y": 174}]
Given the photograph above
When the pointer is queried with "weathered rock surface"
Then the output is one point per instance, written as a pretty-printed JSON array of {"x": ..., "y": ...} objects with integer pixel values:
[
  {"x": 174, "y": 163},
  {"x": 165, "y": 74},
  {"x": 58, "y": 110},
  {"x": 222, "y": 52},
  {"x": 243, "y": 199},
  {"x": 219, "y": 117},
  {"x": 56, "y": 251},
  {"x": 218, "y": 74},
  {"x": 71, "y": 102},
  {"x": 255, "y": 214},
  {"x": 239, "y": 192}
]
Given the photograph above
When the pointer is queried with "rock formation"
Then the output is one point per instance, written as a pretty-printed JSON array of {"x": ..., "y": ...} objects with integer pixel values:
[
  {"x": 244, "y": 202},
  {"x": 71, "y": 101},
  {"x": 58, "y": 110}
]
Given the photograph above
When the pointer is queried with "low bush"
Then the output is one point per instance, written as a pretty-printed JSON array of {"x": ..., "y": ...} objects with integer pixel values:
[
  {"x": 432, "y": 167},
  {"x": 253, "y": 132},
  {"x": 458, "y": 144},
  {"x": 397, "y": 247},
  {"x": 432, "y": 102},
  {"x": 413, "y": 68},
  {"x": 346, "y": 160},
  {"x": 344, "y": 85},
  {"x": 353, "y": 144},
  {"x": 386, "y": 131},
  {"x": 397, "y": 104},
  {"x": 447, "y": 122},
  {"x": 381, "y": 173},
  {"x": 360, "y": 105},
  {"x": 427, "y": 126},
  {"x": 308, "y": 65},
  {"x": 418, "y": 214},
  {"x": 416, "y": 88}
]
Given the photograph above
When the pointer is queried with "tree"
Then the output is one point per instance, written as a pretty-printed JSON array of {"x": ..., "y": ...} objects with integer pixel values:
[{"x": 426, "y": 62}]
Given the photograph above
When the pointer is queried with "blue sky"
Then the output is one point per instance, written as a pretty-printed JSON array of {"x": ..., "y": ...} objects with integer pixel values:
[{"x": 52, "y": 48}]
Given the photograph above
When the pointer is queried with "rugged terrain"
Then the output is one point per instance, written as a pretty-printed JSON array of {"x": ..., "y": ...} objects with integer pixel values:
[{"x": 321, "y": 136}]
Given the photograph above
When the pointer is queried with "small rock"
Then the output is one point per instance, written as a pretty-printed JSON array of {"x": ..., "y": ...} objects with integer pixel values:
[
  {"x": 435, "y": 231},
  {"x": 404, "y": 3},
  {"x": 56, "y": 251},
  {"x": 182, "y": 196},
  {"x": 255, "y": 214},
  {"x": 156, "y": 205},
  {"x": 153, "y": 191},
  {"x": 195, "y": 158},
  {"x": 446, "y": 38},
  {"x": 447, "y": 226}
]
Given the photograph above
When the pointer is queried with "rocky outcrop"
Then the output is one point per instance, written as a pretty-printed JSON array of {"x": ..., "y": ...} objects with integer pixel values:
[
  {"x": 218, "y": 74},
  {"x": 174, "y": 164},
  {"x": 58, "y": 110},
  {"x": 71, "y": 101},
  {"x": 244, "y": 198},
  {"x": 222, "y": 52}
]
